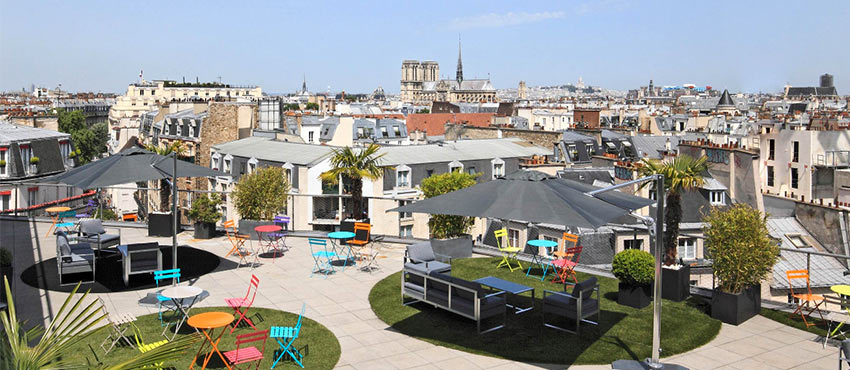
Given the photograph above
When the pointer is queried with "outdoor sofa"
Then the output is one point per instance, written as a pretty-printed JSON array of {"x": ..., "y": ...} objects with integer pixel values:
[
  {"x": 421, "y": 257},
  {"x": 73, "y": 258},
  {"x": 576, "y": 306},
  {"x": 461, "y": 297}
]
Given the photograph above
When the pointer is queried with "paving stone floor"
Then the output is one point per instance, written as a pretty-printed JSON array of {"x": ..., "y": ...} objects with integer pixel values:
[{"x": 341, "y": 303}]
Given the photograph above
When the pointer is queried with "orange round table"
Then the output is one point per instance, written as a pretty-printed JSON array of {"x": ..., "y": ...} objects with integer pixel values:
[
  {"x": 207, "y": 322},
  {"x": 55, "y": 212},
  {"x": 57, "y": 209}
]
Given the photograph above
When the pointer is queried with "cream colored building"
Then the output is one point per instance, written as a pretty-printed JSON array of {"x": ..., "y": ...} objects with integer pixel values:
[{"x": 146, "y": 96}]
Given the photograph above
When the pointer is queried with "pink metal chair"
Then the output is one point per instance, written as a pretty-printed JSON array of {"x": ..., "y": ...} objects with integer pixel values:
[
  {"x": 240, "y": 306},
  {"x": 248, "y": 355}
]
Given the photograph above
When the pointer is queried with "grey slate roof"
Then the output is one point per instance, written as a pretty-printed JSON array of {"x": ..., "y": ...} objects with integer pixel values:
[
  {"x": 652, "y": 146},
  {"x": 276, "y": 151},
  {"x": 10, "y": 133},
  {"x": 571, "y": 136},
  {"x": 725, "y": 100},
  {"x": 825, "y": 271},
  {"x": 462, "y": 150}
]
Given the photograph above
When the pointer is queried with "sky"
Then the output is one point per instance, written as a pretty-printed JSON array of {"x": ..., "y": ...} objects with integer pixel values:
[{"x": 747, "y": 46}]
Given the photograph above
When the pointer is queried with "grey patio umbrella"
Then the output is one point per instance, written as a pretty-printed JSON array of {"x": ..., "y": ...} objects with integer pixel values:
[
  {"x": 135, "y": 165},
  {"x": 532, "y": 196}
]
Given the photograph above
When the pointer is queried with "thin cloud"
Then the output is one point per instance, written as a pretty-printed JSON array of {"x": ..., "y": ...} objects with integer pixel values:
[{"x": 493, "y": 20}]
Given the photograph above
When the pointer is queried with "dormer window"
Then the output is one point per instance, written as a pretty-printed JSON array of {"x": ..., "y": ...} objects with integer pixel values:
[
  {"x": 498, "y": 167},
  {"x": 3, "y": 163},
  {"x": 287, "y": 171},
  {"x": 384, "y": 132},
  {"x": 717, "y": 198},
  {"x": 252, "y": 165},
  {"x": 455, "y": 166},
  {"x": 402, "y": 176},
  {"x": 397, "y": 131},
  {"x": 215, "y": 161},
  {"x": 228, "y": 161}
]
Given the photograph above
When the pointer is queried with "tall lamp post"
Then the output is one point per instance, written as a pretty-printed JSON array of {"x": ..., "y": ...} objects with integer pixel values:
[{"x": 655, "y": 226}]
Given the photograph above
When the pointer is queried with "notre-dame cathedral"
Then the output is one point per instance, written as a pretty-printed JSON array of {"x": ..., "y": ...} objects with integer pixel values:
[{"x": 421, "y": 84}]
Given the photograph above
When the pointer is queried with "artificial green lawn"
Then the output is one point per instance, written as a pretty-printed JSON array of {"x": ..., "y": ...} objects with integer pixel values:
[
  {"x": 321, "y": 352},
  {"x": 624, "y": 332},
  {"x": 796, "y": 321}
]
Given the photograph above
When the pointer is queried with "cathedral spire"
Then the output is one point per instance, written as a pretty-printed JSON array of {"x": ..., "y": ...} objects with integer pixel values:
[
  {"x": 304, "y": 84},
  {"x": 459, "y": 75}
]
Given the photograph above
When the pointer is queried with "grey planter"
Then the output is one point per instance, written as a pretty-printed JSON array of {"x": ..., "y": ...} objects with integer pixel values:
[
  {"x": 736, "y": 308},
  {"x": 246, "y": 227},
  {"x": 460, "y": 247},
  {"x": 637, "y": 296},
  {"x": 676, "y": 284},
  {"x": 160, "y": 224}
]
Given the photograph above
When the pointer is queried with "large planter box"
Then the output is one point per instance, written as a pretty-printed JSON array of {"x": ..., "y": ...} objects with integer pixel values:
[
  {"x": 460, "y": 247},
  {"x": 5, "y": 271},
  {"x": 675, "y": 284},
  {"x": 204, "y": 230},
  {"x": 634, "y": 296},
  {"x": 246, "y": 227},
  {"x": 160, "y": 224},
  {"x": 736, "y": 308}
]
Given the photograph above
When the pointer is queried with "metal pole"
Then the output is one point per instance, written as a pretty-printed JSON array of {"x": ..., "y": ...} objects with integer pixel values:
[
  {"x": 654, "y": 362},
  {"x": 174, "y": 217}
]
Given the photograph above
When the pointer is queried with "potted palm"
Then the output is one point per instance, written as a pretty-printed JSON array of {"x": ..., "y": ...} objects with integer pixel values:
[
  {"x": 352, "y": 166},
  {"x": 681, "y": 174},
  {"x": 205, "y": 213},
  {"x": 258, "y": 197},
  {"x": 636, "y": 271},
  {"x": 742, "y": 254},
  {"x": 449, "y": 234}
]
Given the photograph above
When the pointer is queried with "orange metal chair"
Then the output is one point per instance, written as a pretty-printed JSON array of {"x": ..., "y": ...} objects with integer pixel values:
[
  {"x": 362, "y": 238},
  {"x": 806, "y": 299},
  {"x": 237, "y": 240},
  {"x": 566, "y": 259}
]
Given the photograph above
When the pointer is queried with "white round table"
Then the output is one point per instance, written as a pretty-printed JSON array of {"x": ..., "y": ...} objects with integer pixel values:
[{"x": 178, "y": 294}]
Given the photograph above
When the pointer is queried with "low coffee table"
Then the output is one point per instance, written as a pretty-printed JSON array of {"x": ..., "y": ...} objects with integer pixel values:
[{"x": 510, "y": 287}]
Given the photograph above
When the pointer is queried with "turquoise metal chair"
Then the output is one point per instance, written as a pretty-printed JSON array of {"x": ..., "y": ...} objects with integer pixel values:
[
  {"x": 285, "y": 337},
  {"x": 160, "y": 276},
  {"x": 322, "y": 257}
]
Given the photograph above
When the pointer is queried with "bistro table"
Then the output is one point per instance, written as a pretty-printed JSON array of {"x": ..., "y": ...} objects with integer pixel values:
[
  {"x": 178, "y": 295},
  {"x": 843, "y": 292},
  {"x": 536, "y": 258},
  {"x": 208, "y": 322},
  {"x": 337, "y": 237},
  {"x": 510, "y": 287},
  {"x": 266, "y": 239},
  {"x": 54, "y": 212}
]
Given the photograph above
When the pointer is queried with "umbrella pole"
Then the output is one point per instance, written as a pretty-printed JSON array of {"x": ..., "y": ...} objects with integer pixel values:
[
  {"x": 174, "y": 217},
  {"x": 655, "y": 362}
]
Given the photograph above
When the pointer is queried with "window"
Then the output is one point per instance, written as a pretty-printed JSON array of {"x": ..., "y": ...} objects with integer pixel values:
[
  {"x": 429, "y": 173},
  {"x": 5, "y": 200},
  {"x": 310, "y": 136},
  {"x": 397, "y": 131},
  {"x": 65, "y": 149},
  {"x": 771, "y": 149},
  {"x": 687, "y": 248},
  {"x": 796, "y": 157},
  {"x": 590, "y": 151},
  {"x": 798, "y": 240},
  {"x": 652, "y": 192},
  {"x": 795, "y": 182},
  {"x": 252, "y": 165},
  {"x": 228, "y": 161},
  {"x": 402, "y": 176},
  {"x": 455, "y": 166},
  {"x": 3, "y": 161},
  {"x": 498, "y": 167},
  {"x": 633, "y": 244},
  {"x": 360, "y": 133},
  {"x": 717, "y": 198},
  {"x": 384, "y": 132},
  {"x": 405, "y": 231},
  {"x": 32, "y": 196},
  {"x": 26, "y": 155},
  {"x": 513, "y": 236},
  {"x": 471, "y": 170},
  {"x": 215, "y": 161},
  {"x": 550, "y": 251},
  {"x": 142, "y": 92},
  {"x": 404, "y": 215},
  {"x": 769, "y": 175},
  {"x": 571, "y": 149},
  {"x": 287, "y": 171}
]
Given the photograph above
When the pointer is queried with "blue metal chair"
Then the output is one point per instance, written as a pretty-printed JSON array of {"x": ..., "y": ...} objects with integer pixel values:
[
  {"x": 285, "y": 337},
  {"x": 322, "y": 257},
  {"x": 164, "y": 275}
]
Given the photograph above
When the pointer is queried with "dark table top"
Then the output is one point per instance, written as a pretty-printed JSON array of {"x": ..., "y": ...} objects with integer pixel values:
[{"x": 508, "y": 286}]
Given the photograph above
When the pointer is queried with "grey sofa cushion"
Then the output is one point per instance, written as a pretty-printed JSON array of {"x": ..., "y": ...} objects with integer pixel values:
[
  {"x": 565, "y": 306},
  {"x": 91, "y": 227},
  {"x": 421, "y": 252},
  {"x": 427, "y": 267},
  {"x": 465, "y": 294},
  {"x": 64, "y": 246}
]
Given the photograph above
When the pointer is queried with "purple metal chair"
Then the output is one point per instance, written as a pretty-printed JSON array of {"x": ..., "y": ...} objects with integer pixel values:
[{"x": 280, "y": 236}]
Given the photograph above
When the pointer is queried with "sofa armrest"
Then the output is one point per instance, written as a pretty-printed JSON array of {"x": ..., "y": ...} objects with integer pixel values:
[{"x": 443, "y": 258}]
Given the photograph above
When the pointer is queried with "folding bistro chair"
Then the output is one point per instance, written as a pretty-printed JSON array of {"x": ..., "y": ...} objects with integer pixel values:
[
  {"x": 322, "y": 257},
  {"x": 143, "y": 347},
  {"x": 243, "y": 355},
  {"x": 566, "y": 259},
  {"x": 118, "y": 327},
  {"x": 240, "y": 306},
  {"x": 805, "y": 299},
  {"x": 370, "y": 258},
  {"x": 280, "y": 236},
  {"x": 836, "y": 320},
  {"x": 59, "y": 221},
  {"x": 508, "y": 252},
  {"x": 362, "y": 232},
  {"x": 157, "y": 277},
  {"x": 237, "y": 241},
  {"x": 285, "y": 337}
]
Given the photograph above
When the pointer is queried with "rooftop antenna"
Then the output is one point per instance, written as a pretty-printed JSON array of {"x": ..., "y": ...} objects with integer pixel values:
[{"x": 219, "y": 80}]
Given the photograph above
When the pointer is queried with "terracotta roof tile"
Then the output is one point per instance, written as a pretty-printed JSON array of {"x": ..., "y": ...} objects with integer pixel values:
[{"x": 433, "y": 124}]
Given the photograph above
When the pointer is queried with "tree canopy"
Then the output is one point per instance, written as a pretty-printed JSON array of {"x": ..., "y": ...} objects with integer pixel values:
[{"x": 88, "y": 141}]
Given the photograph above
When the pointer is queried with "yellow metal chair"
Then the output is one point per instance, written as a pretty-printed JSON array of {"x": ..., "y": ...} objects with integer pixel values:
[
  {"x": 807, "y": 303},
  {"x": 508, "y": 252}
]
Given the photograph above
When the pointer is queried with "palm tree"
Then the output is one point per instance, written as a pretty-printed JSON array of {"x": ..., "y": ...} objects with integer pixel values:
[
  {"x": 355, "y": 165},
  {"x": 681, "y": 174},
  {"x": 75, "y": 322}
]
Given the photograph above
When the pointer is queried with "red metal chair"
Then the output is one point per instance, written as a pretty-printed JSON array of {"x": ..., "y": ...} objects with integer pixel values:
[
  {"x": 240, "y": 306},
  {"x": 566, "y": 260},
  {"x": 246, "y": 355}
]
